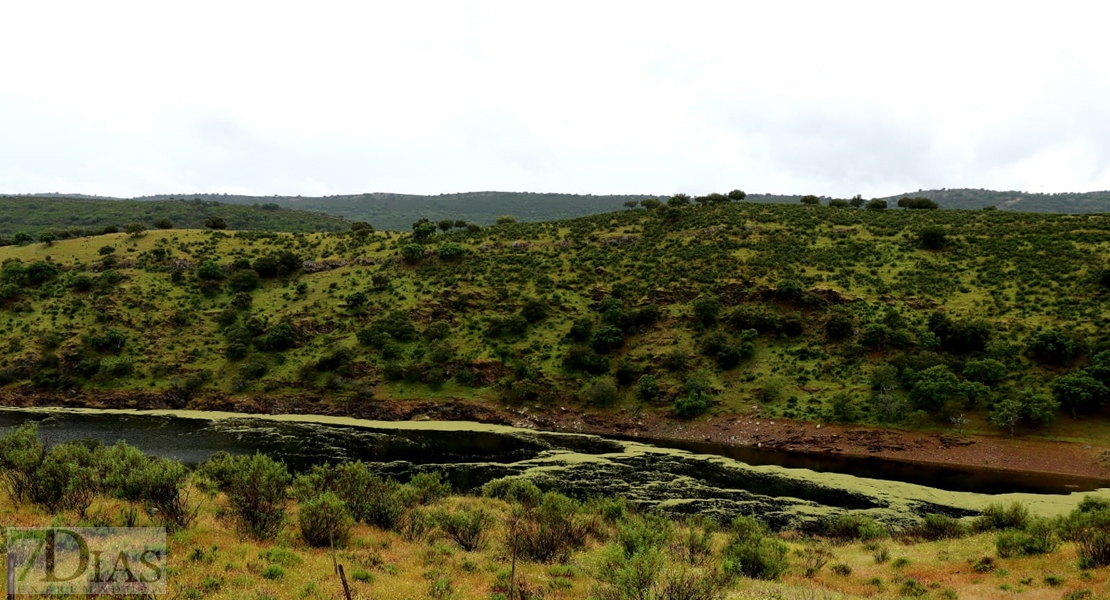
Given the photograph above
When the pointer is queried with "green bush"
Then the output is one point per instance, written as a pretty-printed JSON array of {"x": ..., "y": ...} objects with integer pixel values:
[
  {"x": 255, "y": 487},
  {"x": 550, "y": 531},
  {"x": 467, "y": 527},
  {"x": 938, "y": 527},
  {"x": 325, "y": 521},
  {"x": 756, "y": 557},
  {"x": 996, "y": 517}
]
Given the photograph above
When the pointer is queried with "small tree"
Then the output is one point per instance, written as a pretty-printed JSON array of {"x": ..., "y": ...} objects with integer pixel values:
[
  {"x": 810, "y": 200},
  {"x": 445, "y": 225},
  {"x": 47, "y": 238},
  {"x": 163, "y": 223},
  {"x": 1006, "y": 414},
  {"x": 652, "y": 204},
  {"x": 215, "y": 223},
  {"x": 256, "y": 490},
  {"x": 933, "y": 237},
  {"x": 856, "y": 201},
  {"x": 678, "y": 200},
  {"x": 134, "y": 229},
  {"x": 737, "y": 195},
  {"x": 412, "y": 253},
  {"x": 876, "y": 204},
  {"x": 631, "y": 204}
]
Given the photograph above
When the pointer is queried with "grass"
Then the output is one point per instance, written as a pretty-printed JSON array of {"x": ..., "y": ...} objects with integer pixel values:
[{"x": 210, "y": 561}]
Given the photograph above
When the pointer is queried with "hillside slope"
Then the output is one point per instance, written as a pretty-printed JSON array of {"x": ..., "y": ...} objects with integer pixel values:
[
  {"x": 794, "y": 311},
  {"x": 33, "y": 215},
  {"x": 974, "y": 199}
]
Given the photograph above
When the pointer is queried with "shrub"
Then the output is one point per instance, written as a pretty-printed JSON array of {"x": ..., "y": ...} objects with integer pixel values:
[
  {"x": 21, "y": 453},
  {"x": 467, "y": 527},
  {"x": 694, "y": 543},
  {"x": 255, "y": 487},
  {"x": 370, "y": 498},
  {"x": 997, "y": 517},
  {"x": 550, "y": 531},
  {"x": 938, "y": 527},
  {"x": 244, "y": 280},
  {"x": 1038, "y": 538},
  {"x": 325, "y": 521},
  {"x": 849, "y": 526},
  {"x": 602, "y": 393},
  {"x": 642, "y": 533},
  {"x": 68, "y": 478},
  {"x": 514, "y": 489},
  {"x": 1089, "y": 527},
  {"x": 158, "y": 484},
  {"x": 756, "y": 557},
  {"x": 426, "y": 488}
]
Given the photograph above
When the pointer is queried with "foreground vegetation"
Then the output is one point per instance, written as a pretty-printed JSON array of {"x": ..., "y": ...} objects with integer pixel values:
[
  {"x": 951, "y": 318},
  {"x": 245, "y": 527}
]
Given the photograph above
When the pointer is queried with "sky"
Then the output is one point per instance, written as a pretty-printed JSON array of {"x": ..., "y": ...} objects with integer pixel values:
[{"x": 124, "y": 98}]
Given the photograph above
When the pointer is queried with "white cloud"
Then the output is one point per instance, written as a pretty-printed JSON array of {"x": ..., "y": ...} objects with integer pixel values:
[{"x": 129, "y": 98}]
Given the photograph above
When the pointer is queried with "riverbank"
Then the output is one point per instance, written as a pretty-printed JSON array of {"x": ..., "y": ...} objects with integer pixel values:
[{"x": 1088, "y": 459}]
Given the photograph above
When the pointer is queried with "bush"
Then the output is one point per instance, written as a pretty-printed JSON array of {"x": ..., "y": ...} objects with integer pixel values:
[
  {"x": 642, "y": 533},
  {"x": 848, "y": 527},
  {"x": 426, "y": 488},
  {"x": 997, "y": 517},
  {"x": 602, "y": 393},
  {"x": 1039, "y": 537},
  {"x": 1089, "y": 527},
  {"x": 325, "y": 521},
  {"x": 756, "y": 557},
  {"x": 21, "y": 453},
  {"x": 550, "y": 531},
  {"x": 514, "y": 489},
  {"x": 467, "y": 527},
  {"x": 255, "y": 487},
  {"x": 938, "y": 527}
]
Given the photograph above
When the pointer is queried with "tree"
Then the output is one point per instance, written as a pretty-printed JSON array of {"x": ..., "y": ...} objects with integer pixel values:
[
  {"x": 856, "y": 201},
  {"x": 22, "y": 238},
  {"x": 210, "y": 270},
  {"x": 1052, "y": 346},
  {"x": 1006, "y": 414},
  {"x": 933, "y": 387},
  {"x": 631, "y": 204},
  {"x": 737, "y": 195},
  {"x": 163, "y": 223},
  {"x": 245, "y": 280},
  {"x": 357, "y": 300},
  {"x": 918, "y": 204},
  {"x": 932, "y": 237},
  {"x": 678, "y": 200},
  {"x": 215, "y": 223},
  {"x": 134, "y": 229},
  {"x": 706, "y": 311},
  {"x": 450, "y": 251},
  {"x": 325, "y": 521},
  {"x": 876, "y": 204},
  {"x": 361, "y": 228},
  {"x": 840, "y": 324},
  {"x": 505, "y": 220},
  {"x": 422, "y": 230},
  {"x": 652, "y": 204},
  {"x": 445, "y": 225},
  {"x": 811, "y": 200},
  {"x": 1078, "y": 392},
  {"x": 412, "y": 253},
  {"x": 47, "y": 238},
  {"x": 460, "y": 224},
  {"x": 838, "y": 203}
]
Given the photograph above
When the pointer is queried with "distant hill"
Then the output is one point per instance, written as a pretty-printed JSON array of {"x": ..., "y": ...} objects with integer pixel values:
[
  {"x": 974, "y": 199},
  {"x": 34, "y": 214},
  {"x": 399, "y": 211}
]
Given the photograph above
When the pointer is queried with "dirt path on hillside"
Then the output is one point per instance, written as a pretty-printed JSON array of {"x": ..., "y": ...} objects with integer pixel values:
[{"x": 1004, "y": 453}]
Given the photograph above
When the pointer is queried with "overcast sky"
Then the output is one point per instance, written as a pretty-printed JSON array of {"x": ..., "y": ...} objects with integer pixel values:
[{"x": 315, "y": 97}]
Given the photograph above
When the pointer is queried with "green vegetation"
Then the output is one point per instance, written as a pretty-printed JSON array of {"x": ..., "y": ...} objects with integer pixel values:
[
  {"x": 802, "y": 311},
  {"x": 59, "y": 218},
  {"x": 518, "y": 539}
]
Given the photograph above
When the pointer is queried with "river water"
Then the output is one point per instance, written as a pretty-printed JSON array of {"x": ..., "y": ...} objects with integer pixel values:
[{"x": 677, "y": 477}]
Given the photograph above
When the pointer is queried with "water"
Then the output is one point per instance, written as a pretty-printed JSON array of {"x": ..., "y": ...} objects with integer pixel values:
[{"x": 679, "y": 477}]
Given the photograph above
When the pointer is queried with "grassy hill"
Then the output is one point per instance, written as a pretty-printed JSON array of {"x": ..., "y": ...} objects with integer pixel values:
[
  {"x": 79, "y": 216},
  {"x": 786, "y": 310}
]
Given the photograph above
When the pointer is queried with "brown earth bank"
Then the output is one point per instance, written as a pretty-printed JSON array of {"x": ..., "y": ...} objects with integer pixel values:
[{"x": 1088, "y": 460}]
